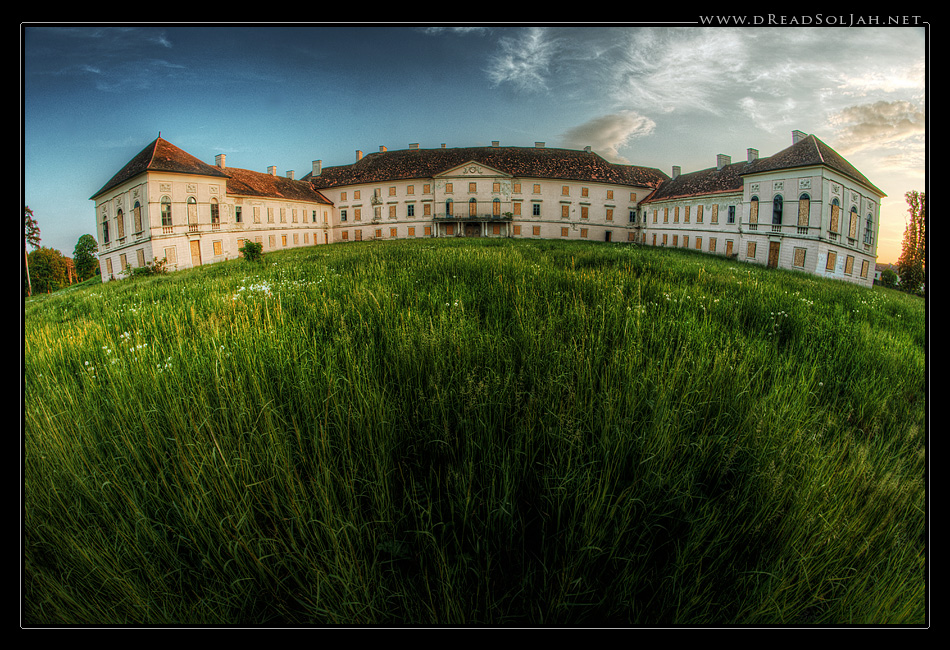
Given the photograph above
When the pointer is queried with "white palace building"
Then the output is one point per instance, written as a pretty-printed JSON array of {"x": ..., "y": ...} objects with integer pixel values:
[{"x": 804, "y": 208}]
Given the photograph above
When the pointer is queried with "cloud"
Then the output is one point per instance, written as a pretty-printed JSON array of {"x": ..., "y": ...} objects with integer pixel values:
[
  {"x": 606, "y": 134},
  {"x": 882, "y": 123},
  {"x": 523, "y": 61}
]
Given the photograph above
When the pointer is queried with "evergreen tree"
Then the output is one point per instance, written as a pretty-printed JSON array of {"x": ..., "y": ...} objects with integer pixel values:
[{"x": 911, "y": 267}]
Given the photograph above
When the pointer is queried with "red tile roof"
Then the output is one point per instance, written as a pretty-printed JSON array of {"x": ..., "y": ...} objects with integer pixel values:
[
  {"x": 519, "y": 162},
  {"x": 161, "y": 156}
]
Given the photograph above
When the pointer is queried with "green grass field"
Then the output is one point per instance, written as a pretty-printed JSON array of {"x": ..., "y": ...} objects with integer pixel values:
[{"x": 488, "y": 432}]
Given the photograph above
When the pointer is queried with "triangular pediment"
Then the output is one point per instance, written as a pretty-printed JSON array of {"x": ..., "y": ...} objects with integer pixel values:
[{"x": 473, "y": 169}]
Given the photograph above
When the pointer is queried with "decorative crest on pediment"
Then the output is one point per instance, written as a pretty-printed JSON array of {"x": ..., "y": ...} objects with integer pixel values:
[{"x": 473, "y": 169}]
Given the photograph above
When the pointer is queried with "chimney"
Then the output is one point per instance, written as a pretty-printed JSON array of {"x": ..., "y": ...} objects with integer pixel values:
[
  {"x": 798, "y": 136},
  {"x": 219, "y": 160},
  {"x": 317, "y": 167},
  {"x": 290, "y": 174},
  {"x": 413, "y": 145},
  {"x": 753, "y": 154},
  {"x": 676, "y": 171},
  {"x": 722, "y": 160},
  {"x": 587, "y": 149},
  {"x": 539, "y": 145},
  {"x": 382, "y": 149},
  {"x": 443, "y": 145},
  {"x": 494, "y": 143},
  {"x": 359, "y": 155},
  {"x": 272, "y": 170}
]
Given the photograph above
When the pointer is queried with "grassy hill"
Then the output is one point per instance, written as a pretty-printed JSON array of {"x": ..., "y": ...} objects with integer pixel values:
[{"x": 475, "y": 432}]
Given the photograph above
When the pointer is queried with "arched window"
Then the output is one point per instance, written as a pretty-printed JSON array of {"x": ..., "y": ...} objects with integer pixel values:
[
  {"x": 166, "y": 212},
  {"x": 119, "y": 224},
  {"x": 496, "y": 208},
  {"x": 137, "y": 216},
  {"x": 754, "y": 213},
  {"x": 853, "y": 224},
  {"x": 804, "y": 205},
  {"x": 448, "y": 207},
  {"x": 869, "y": 230},
  {"x": 215, "y": 216},
  {"x": 833, "y": 225},
  {"x": 192, "y": 214},
  {"x": 105, "y": 228},
  {"x": 777, "y": 210},
  {"x": 472, "y": 209}
]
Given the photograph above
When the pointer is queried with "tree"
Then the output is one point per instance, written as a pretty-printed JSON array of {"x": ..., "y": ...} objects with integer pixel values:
[
  {"x": 49, "y": 269},
  {"x": 31, "y": 237},
  {"x": 911, "y": 267},
  {"x": 84, "y": 257}
]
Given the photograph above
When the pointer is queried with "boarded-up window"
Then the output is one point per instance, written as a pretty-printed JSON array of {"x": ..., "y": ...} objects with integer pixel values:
[
  {"x": 392, "y": 212},
  {"x": 699, "y": 213},
  {"x": 120, "y": 226},
  {"x": 676, "y": 214},
  {"x": 137, "y": 217},
  {"x": 853, "y": 224},
  {"x": 686, "y": 214},
  {"x": 217, "y": 247},
  {"x": 471, "y": 187},
  {"x": 799, "y": 257},
  {"x": 754, "y": 210},
  {"x": 610, "y": 214},
  {"x": 848, "y": 264},
  {"x": 750, "y": 250},
  {"x": 171, "y": 255},
  {"x": 536, "y": 230},
  {"x": 830, "y": 263},
  {"x": 584, "y": 232},
  {"x": 140, "y": 257},
  {"x": 392, "y": 232},
  {"x": 584, "y": 212},
  {"x": 699, "y": 243},
  {"x": 835, "y": 216},
  {"x": 517, "y": 230},
  {"x": 666, "y": 215},
  {"x": 412, "y": 231},
  {"x": 496, "y": 229},
  {"x": 803, "y": 206},
  {"x": 516, "y": 207},
  {"x": 715, "y": 213},
  {"x": 345, "y": 235},
  {"x": 864, "y": 269},
  {"x": 712, "y": 244},
  {"x": 564, "y": 232}
]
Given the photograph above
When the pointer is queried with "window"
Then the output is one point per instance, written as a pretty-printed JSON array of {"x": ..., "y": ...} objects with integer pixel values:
[
  {"x": 283, "y": 215},
  {"x": 869, "y": 230},
  {"x": 565, "y": 190},
  {"x": 732, "y": 214},
  {"x": 712, "y": 244},
  {"x": 536, "y": 230},
  {"x": 830, "y": 262},
  {"x": 536, "y": 188},
  {"x": 257, "y": 214},
  {"x": 516, "y": 188},
  {"x": 120, "y": 226},
  {"x": 609, "y": 216},
  {"x": 448, "y": 207},
  {"x": 357, "y": 214},
  {"x": 137, "y": 217},
  {"x": 848, "y": 264},
  {"x": 864, "y": 269},
  {"x": 427, "y": 210},
  {"x": 686, "y": 214},
  {"x": 217, "y": 247},
  {"x": 564, "y": 232},
  {"x": 412, "y": 231},
  {"x": 238, "y": 217},
  {"x": 715, "y": 214},
  {"x": 853, "y": 225},
  {"x": 777, "y": 210},
  {"x": 411, "y": 210},
  {"x": 754, "y": 213},
  {"x": 392, "y": 212},
  {"x": 140, "y": 257},
  {"x": 496, "y": 187},
  {"x": 804, "y": 205},
  {"x": 215, "y": 214},
  {"x": 426, "y": 188},
  {"x": 584, "y": 212},
  {"x": 496, "y": 208},
  {"x": 585, "y": 192},
  {"x": 472, "y": 207},
  {"x": 392, "y": 233},
  {"x": 343, "y": 196},
  {"x": 750, "y": 250},
  {"x": 516, "y": 208},
  {"x": 610, "y": 195},
  {"x": 166, "y": 212},
  {"x": 392, "y": 191},
  {"x": 565, "y": 211},
  {"x": 448, "y": 188},
  {"x": 471, "y": 188},
  {"x": 676, "y": 214},
  {"x": 342, "y": 215},
  {"x": 270, "y": 215},
  {"x": 584, "y": 232},
  {"x": 799, "y": 260},
  {"x": 410, "y": 189},
  {"x": 356, "y": 195},
  {"x": 536, "y": 209},
  {"x": 699, "y": 213}
]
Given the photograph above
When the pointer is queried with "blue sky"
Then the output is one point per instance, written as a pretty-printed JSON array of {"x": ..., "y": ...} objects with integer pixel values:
[{"x": 652, "y": 95}]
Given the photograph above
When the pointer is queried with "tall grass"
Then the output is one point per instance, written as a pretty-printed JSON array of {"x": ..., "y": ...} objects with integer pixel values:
[{"x": 485, "y": 432}]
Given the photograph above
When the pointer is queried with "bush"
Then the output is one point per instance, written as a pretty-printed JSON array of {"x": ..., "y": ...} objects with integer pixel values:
[
  {"x": 155, "y": 267},
  {"x": 253, "y": 251}
]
